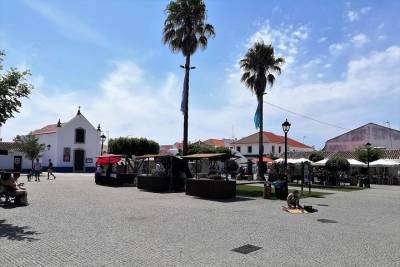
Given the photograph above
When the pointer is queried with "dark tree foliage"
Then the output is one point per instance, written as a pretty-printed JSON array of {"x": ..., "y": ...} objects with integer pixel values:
[
  {"x": 132, "y": 146},
  {"x": 13, "y": 87},
  {"x": 30, "y": 146},
  {"x": 337, "y": 164},
  {"x": 231, "y": 166},
  {"x": 195, "y": 149},
  {"x": 314, "y": 157},
  {"x": 362, "y": 154}
]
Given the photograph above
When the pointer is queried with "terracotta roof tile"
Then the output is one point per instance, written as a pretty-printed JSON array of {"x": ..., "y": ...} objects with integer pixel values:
[
  {"x": 269, "y": 137},
  {"x": 215, "y": 142},
  {"x": 51, "y": 128},
  {"x": 10, "y": 146}
]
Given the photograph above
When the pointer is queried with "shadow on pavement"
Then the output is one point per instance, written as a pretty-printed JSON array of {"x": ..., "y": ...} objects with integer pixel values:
[{"x": 17, "y": 233}]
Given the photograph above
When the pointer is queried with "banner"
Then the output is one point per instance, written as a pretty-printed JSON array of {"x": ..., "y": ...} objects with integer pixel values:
[{"x": 257, "y": 117}]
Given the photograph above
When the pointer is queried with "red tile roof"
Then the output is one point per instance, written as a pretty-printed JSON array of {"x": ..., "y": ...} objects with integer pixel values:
[
  {"x": 215, "y": 142},
  {"x": 269, "y": 137},
  {"x": 51, "y": 128}
]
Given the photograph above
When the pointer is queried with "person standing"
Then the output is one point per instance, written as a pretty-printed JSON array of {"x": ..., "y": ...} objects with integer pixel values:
[
  {"x": 50, "y": 170},
  {"x": 37, "y": 167}
]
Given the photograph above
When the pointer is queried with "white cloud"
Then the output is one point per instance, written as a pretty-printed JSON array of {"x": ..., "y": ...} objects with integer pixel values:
[
  {"x": 70, "y": 26},
  {"x": 337, "y": 48},
  {"x": 354, "y": 15},
  {"x": 322, "y": 39},
  {"x": 359, "y": 40}
]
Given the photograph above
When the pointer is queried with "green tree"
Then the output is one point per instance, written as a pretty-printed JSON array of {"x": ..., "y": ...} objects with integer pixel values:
[
  {"x": 335, "y": 165},
  {"x": 362, "y": 154},
  {"x": 185, "y": 30},
  {"x": 314, "y": 157},
  {"x": 30, "y": 146},
  {"x": 195, "y": 149},
  {"x": 13, "y": 87},
  {"x": 259, "y": 67},
  {"x": 133, "y": 146}
]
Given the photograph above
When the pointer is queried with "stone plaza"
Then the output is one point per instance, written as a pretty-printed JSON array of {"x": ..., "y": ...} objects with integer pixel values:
[{"x": 73, "y": 222}]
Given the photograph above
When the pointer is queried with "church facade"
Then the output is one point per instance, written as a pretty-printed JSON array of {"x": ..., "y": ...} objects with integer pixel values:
[{"x": 72, "y": 146}]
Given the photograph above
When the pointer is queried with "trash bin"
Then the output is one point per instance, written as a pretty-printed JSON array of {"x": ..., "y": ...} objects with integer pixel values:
[
  {"x": 280, "y": 189},
  {"x": 267, "y": 191}
]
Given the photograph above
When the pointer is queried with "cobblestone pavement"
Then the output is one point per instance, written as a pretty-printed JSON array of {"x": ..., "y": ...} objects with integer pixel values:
[{"x": 73, "y": 222}]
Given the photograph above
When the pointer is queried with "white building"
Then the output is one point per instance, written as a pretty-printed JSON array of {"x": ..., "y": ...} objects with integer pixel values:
[
  {"x": 12, "y": 158},
  {"x": 273, "y": 145},
  {"x": 72, "y": 146}
]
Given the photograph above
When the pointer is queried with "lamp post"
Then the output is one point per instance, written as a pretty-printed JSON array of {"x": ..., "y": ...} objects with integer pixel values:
[
  {"x": 368, "y": 147},
  {"x": 102, "y": 138},
  {"x": 286, "y": 127}
]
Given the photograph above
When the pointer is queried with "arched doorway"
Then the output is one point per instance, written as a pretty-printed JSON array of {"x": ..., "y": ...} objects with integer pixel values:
[{"x": 79, "y": 160}]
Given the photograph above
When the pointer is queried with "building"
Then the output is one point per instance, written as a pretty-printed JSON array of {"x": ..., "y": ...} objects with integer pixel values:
[
  {"x": 377, "y": 135},
  {"x": 72, "y": 146},
  {"x": 273, "y": 145},
  {"x": 12, "y": 158}
]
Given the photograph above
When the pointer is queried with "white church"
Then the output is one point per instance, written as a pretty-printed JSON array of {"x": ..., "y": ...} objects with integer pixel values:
[{"x": 72, "y": 146}]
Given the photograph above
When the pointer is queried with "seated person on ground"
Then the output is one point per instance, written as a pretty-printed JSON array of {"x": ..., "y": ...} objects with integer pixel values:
[
  {"x": 10, "y": 184},
  {"x": 293, "y": 200}
]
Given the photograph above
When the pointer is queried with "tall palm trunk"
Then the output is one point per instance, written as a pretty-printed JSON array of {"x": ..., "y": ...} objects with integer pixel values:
[
  {"x": 186, "y": 111},
  {"x": 260, "y": 174}
]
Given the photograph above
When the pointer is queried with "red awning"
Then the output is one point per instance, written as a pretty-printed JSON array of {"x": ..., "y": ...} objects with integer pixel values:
[
  {"x": 265, "y": 159},
  {"x": 108, "y": 159}
]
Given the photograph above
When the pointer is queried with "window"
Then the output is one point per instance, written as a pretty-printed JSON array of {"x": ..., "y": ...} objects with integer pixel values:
[
  {"x": 238, "y": 148},
  {"x": 80, "y": 136},
  {"x": 249, "y": 149},
  {"x": 273, "y": 150},
  {"x": 279, "y": 149},
  {"x": 3, "y": 152}
]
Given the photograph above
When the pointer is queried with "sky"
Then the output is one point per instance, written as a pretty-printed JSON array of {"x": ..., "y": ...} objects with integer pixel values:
[{"x": 342, "y": 67}]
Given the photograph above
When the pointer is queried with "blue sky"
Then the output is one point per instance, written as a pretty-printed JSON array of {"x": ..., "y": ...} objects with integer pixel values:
[{"x": 343, "y": 67}]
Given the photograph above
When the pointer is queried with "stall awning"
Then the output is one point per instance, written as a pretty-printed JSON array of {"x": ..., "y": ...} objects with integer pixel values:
[
  {"x": 356, "y": 163},
  {"x": 265, "y": 159},
  {"x": 108, "y": 159},
  {"x": 320, "y": 163},
  {"x": 384, "y": 163}
]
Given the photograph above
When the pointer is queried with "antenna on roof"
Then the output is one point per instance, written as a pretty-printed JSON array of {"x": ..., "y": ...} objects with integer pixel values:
[{"x": 79, "y": 110}]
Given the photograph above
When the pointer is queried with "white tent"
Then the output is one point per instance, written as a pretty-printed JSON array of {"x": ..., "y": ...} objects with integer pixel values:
[
  {"x": 356, "y": 163},
  {"x": 292, "y": 161},
  {"x": 321, "y": 162},
  {"x": 384, "y": 163}
]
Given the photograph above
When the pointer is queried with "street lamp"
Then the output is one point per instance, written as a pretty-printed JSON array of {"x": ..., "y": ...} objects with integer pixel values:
[
  {"x": 286, "y": 127},
  {"x": 102, "y": 138},
  {"x": 368, "y": 147}
]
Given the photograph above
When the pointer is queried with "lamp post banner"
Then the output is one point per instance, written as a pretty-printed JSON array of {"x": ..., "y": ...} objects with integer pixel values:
[{"x": 257, "y": 117}]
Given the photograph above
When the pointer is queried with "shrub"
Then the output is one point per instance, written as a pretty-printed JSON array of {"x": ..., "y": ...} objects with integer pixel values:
[
  {"x": 337, "y": 164},
  {"x": 362, "y": 154},
  {"x": 195, "y": 149},
  {"x": 314, "y": 157},
  {"x": 133, "y": 146}
]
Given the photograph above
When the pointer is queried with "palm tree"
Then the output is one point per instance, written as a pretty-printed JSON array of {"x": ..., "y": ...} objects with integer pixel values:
[
  {"x": 185, "y": 30},
  {"x": 259, "y": 66}
]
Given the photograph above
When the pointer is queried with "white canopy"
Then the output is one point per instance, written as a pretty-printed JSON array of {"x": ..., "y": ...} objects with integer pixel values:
[
  {"x": 321, "y": 162},
  {"x": 384, "y": 163},
  {"x": 356, "y": 163},
  {"x": 293, "y": 161}
]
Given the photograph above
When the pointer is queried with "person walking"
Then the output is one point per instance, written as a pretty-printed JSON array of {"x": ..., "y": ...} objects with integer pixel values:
[
  {"x": 37, "y": 167},
  {"x": 50, "y": 170}
]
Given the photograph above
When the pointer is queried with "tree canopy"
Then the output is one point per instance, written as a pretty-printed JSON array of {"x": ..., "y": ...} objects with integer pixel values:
[
  {"x": 13, "y": 87},
  {"x": 185, "y": 28},
  {"x": 195, "y": 149},
  {"x": 259, "y": 67},
  {"x": 337, "y": 164},
  {"x": 30, "y": 146},
  {"x": 362, "y": 154},
  {"x": 130, "y": 146},
  {"x": 314, "y": 157}
]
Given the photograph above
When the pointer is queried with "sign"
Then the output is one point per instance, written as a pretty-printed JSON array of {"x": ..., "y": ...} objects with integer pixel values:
[{"x": 89, "y": 160}]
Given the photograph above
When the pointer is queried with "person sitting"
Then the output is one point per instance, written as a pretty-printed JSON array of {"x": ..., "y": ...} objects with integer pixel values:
[
  {"x": 293, "y": 200},
  {"x": 10, "y": 184}
]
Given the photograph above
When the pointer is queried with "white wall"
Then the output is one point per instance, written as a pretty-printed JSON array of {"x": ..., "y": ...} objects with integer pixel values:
[
  {"x": 7, "y": 161},
  {"x": 267, "y": 148},
  {"x": 48, "y": 139}
]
